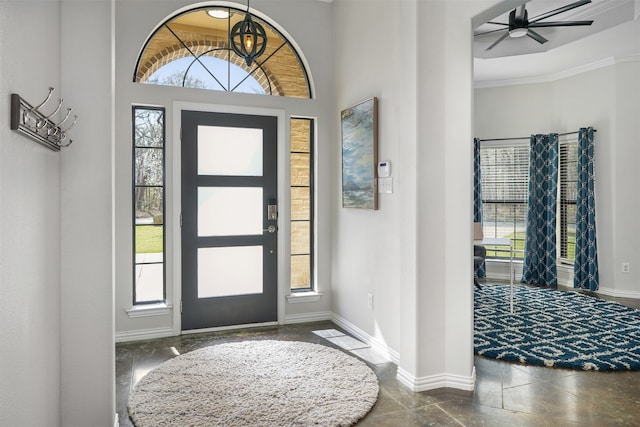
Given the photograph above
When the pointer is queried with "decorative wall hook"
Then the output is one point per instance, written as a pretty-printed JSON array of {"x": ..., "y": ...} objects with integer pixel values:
[
  {"x": 66, "y": 117},
  {"x": 45, "y": 120},
  {"x": 33, "y": 123},
  {"x": 43, "y": 102}
]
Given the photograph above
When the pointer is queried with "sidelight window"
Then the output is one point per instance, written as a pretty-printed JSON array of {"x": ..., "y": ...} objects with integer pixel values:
[
  {"x": 148, "y": 205},
  {"x": 301, "y": 187}
]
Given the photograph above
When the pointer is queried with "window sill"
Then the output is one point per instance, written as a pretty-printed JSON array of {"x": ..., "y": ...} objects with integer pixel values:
[
  {"x": 504, "y": 261},
  {"x": 149, "y": 310},
  {"x": 559, "y": 264},
  {"x": 299, "y": 297}
]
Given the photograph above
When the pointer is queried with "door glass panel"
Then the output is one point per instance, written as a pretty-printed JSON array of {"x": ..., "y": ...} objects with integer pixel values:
[
  {"x": 227, "y": 271},
  {"x": 229, "y": 211},
  {"x": 229, "y": 151}
]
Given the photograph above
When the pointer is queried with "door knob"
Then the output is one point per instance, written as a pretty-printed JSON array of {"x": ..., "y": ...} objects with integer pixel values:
[{"x": 271, "y": 229}]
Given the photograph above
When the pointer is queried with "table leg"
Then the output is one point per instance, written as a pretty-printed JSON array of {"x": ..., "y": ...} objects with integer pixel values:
[{"x": 511, "y": 274}]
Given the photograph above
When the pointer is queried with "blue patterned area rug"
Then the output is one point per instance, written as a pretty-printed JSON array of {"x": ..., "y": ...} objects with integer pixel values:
[{"x": 555, "y": 328}]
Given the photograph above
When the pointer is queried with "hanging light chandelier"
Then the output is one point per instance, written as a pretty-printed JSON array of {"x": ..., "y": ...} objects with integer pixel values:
[{"x": 248, "y": 39}]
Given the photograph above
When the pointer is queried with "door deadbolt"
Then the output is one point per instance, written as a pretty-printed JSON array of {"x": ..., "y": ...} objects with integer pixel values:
[
  {"x": 271, "y": 229},
  {"x": 272, "y": 212}
]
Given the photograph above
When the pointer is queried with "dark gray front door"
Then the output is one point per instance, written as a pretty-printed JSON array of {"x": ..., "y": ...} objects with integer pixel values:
[{"x": 229, "y": 233}]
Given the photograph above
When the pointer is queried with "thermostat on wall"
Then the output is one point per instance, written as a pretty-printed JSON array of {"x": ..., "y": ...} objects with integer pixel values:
[{"x": 384, "y": 169}]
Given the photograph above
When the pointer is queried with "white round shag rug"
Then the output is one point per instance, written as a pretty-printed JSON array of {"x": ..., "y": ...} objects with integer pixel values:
[{"x": 256, "y": 383}]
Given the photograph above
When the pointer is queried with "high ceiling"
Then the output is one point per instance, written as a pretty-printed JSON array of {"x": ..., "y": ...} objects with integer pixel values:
[{"x": 614, "y": 35}]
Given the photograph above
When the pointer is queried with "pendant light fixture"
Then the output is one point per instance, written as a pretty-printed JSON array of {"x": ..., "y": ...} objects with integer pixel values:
[{"x": 248, "y": 39}]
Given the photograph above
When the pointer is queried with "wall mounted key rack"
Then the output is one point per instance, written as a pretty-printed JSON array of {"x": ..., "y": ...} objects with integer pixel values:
[{"x": 33, "y": 123}]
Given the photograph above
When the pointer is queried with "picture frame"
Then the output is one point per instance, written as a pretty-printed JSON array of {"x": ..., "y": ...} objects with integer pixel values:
[{"x": 359, "y": 134}]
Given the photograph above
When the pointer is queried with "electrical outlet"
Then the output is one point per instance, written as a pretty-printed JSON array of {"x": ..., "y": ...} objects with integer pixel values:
[
  {"x": 625, "y": 267},
  {"x": 370, "y": 301}
]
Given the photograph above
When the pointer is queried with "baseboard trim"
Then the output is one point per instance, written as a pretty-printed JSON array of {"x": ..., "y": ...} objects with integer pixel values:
[
  {"x": 358, "y": 333},
  {"x": 499, "y": 270},
  {"x": 432, "y": 382},
  {"x": 618, "y": 293},
  {"x": 318, "y": 316},
  {"x": 143, "y": 334}
]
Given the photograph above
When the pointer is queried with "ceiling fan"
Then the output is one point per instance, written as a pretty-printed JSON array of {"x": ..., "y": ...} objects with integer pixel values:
[{"x": 520, "y": 25}]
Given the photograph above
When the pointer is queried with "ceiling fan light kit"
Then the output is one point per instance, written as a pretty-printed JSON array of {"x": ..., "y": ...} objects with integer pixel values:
[
  {"x": 520, "y": 25},
  {"x": 518, "y": 32}
]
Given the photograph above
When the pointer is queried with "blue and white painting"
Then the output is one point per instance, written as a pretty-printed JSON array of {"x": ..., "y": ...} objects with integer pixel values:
[{"x": 359, "y": 155}]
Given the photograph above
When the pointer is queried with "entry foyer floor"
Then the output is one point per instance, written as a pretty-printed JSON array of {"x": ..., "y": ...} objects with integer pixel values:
[{"x": 506, "y": 394}]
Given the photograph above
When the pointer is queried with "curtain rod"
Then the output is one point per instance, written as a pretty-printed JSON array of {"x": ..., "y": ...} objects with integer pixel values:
[{"x": 527, "y": 137}]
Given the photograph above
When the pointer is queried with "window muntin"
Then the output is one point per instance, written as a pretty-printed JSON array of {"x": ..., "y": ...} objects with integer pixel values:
[
  {"x": 301, "y": 188},
  {"x": 148, "y": 205},
  {"x": 206, "y": 72},
  {"x": 198, "y": 39}
]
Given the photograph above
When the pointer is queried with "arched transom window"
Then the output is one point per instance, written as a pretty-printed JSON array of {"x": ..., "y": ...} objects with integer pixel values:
[{"x": 192, "y": 50}]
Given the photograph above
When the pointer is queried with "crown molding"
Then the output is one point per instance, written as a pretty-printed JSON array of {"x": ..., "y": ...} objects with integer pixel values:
[
  {"x": 548, "y": 78},
  {"x": 594, "y": 9}
]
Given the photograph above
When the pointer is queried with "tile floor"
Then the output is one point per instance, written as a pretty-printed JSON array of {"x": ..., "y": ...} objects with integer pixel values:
[{"x": 506, "y": 394}]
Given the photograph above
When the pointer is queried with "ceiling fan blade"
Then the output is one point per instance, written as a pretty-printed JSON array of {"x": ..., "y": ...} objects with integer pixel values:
[
  {"x": 559, "y": 24},
  {"x": 490, "y": 32},
  {"x": 502, "y": 37},
  {"x": 537, "y": 37},
  {"x": 559, "y": 10}
]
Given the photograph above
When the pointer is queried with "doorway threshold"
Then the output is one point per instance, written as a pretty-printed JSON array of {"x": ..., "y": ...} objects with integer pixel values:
[{"x": 228, "y": 328}]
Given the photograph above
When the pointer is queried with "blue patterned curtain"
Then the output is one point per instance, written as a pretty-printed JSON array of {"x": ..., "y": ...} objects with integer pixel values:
[
  {"x": 540, "y": 243},
  {"x": 477, "y": 195},
  {"x": 585, "y": 267}
]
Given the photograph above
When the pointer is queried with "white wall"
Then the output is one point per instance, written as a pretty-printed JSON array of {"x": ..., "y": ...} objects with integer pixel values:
[
  {"x": 416, "y": 58},
  {"x": 367, "y": 247},
  {"x": 88, "y": 356},
  {"x": 134, "y": 22},
  {"x": 606, "y": 99},
  {"x": 498, "y": 106},
  {"x": 55, "y": 244},
  {"x": 625, "y": 175},
  {"x": 29, "y": 221}
]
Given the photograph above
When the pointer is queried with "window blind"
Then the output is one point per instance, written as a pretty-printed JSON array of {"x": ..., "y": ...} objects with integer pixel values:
[
  {"x": 505, "y": 185},
  {"x": 567, "y": 188}
]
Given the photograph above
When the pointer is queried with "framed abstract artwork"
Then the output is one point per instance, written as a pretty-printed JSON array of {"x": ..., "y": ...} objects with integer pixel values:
[{"x": 359, "y": 126}]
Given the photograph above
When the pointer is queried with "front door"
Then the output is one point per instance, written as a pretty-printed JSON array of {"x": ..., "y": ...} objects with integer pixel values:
[{"x": 229, "y": 219}]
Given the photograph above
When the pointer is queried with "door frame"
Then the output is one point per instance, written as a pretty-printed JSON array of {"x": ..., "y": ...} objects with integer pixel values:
[{"x": 174, "y": 196}]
